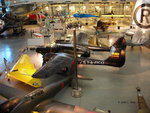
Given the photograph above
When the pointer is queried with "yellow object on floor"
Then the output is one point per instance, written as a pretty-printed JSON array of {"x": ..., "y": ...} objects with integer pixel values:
[{"x": 23, "y": 71}]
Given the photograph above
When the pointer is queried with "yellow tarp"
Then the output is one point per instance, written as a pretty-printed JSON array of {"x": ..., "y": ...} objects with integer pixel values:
[{"x": 23, "y": 71}]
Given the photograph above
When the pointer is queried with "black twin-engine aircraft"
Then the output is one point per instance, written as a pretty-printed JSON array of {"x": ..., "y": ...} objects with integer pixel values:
[{"x": 116, "y": 59}]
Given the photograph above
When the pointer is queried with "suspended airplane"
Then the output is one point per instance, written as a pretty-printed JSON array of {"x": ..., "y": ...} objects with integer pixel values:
[
  {"x": 10, "y": 20},
  {"x": 116, "y": 59},
  {"x": 55, "y": 75},
  {"x": 80, "y": 15},
  {"x": 140, "y": 31},
  {"x": 100, "y": 25}
]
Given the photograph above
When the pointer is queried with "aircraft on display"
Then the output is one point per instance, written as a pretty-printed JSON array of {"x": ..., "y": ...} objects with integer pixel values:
[
  {"x": 24, "y": 69},
  {"x": 80, "y": 15},
  {"x": 100, "y": 25},
  {"x": 55, "y": 75},
  {"x": 117, "y": 57},
  {"x": 140, "y": 32},
  {"x": 10, "y": 20}
]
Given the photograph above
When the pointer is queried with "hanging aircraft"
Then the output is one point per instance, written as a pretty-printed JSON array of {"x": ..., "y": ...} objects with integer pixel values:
[
  {"x": 10, "y": 20},
  {"x": 80, "y": 15},
  {"x": 140, "y": 29},
  {"x": 100, "y": 25},
  {"x": 116, "y": 59},
  {"x": 55, "y": 75}
]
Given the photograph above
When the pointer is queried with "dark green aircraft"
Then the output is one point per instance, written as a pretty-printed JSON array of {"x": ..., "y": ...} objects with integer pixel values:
[{"x": 55, "y": 75}]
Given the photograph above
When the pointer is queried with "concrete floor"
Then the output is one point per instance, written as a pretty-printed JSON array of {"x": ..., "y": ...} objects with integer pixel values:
[
  {"x": 115, "y": 88},
  {"x": 112, "y": 88}
]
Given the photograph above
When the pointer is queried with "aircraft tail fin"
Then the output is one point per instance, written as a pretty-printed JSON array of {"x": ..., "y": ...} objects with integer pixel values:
[
  {"x": 117, "y": 51},
  {"x": 120, "y": 43},
  {"x": 116, "y": 59}
]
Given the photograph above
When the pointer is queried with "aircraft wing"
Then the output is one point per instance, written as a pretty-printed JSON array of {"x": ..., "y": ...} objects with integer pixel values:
[
  {"x": 58, "y": 107},
  {"x": 23, "y": 71},
  {"x": 95, "y": 48},
  {"x": 9, "y": 92}
]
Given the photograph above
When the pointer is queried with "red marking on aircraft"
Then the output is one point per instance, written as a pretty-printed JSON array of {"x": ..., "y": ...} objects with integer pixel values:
[
  {"x": 35, "y": 17},
  {"x": 38, "y": 35},
  {"x": 62, "y": 85}
]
